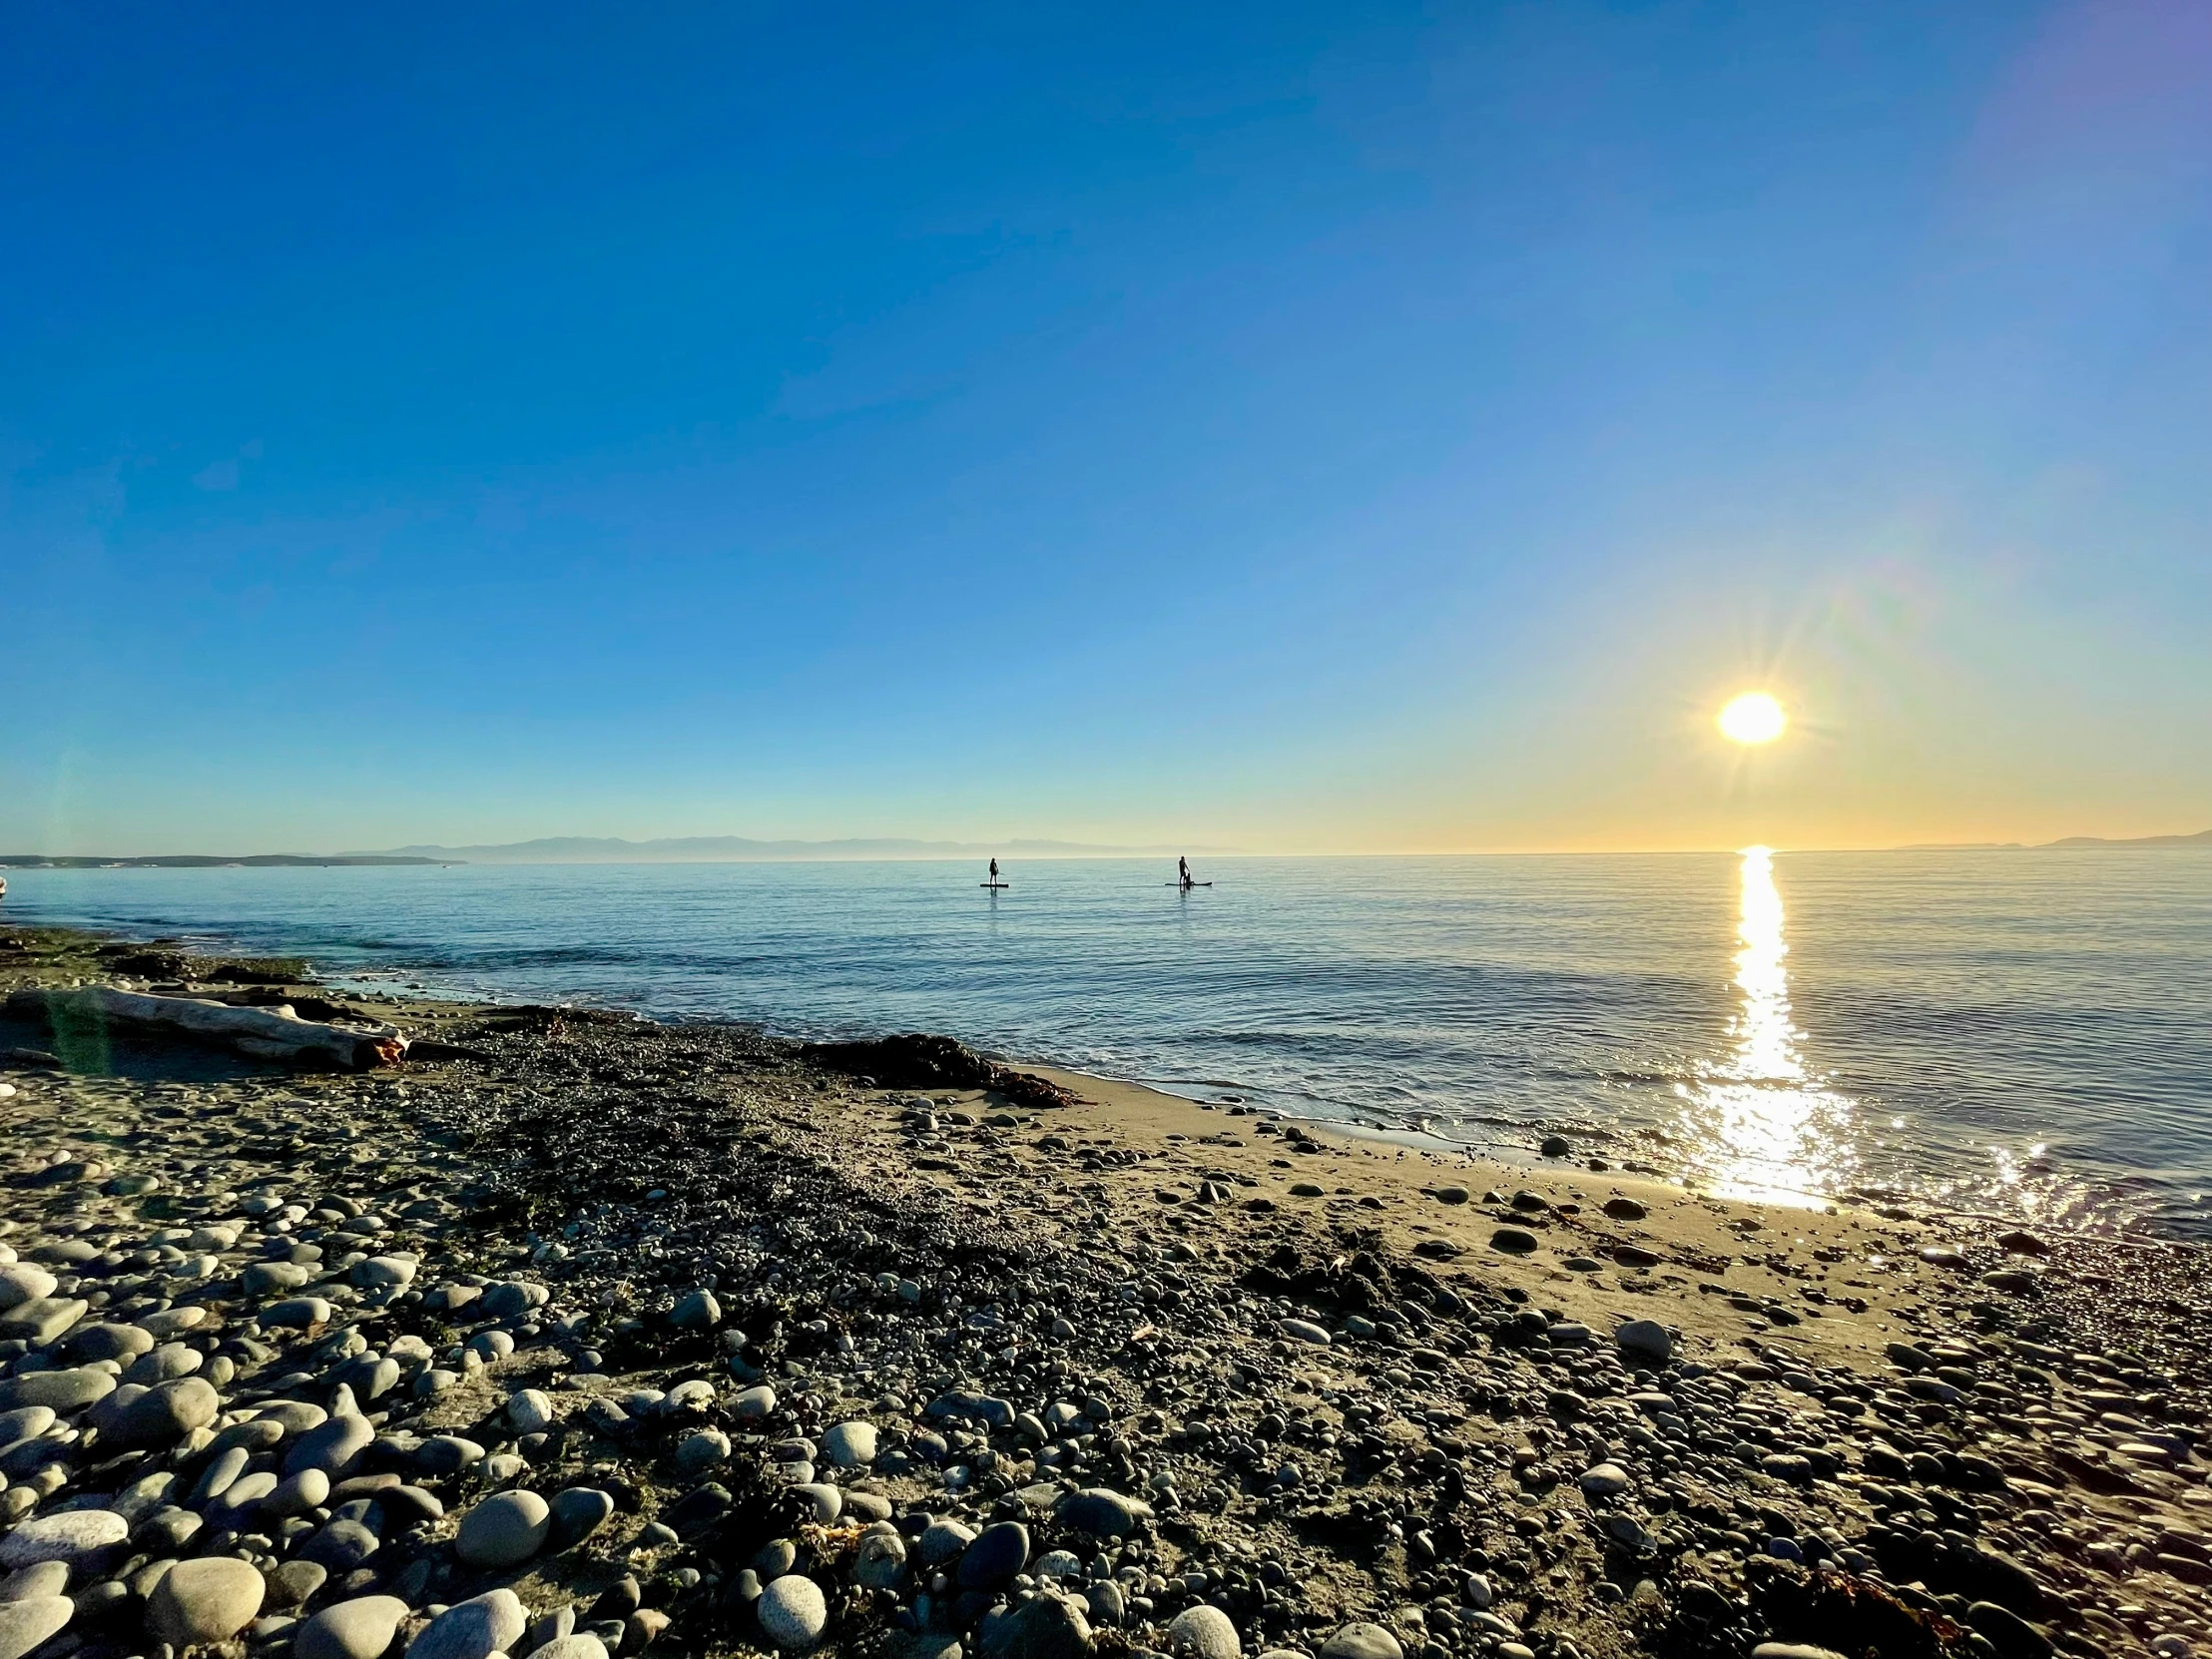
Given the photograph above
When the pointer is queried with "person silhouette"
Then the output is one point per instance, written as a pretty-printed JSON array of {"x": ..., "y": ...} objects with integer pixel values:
[
  {"x": 1183, "y": 870},
  {"x": 995, "y": 873}
]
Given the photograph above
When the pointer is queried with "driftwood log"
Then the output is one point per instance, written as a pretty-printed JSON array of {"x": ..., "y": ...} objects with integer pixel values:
[{"x": 275, "y": 1033}]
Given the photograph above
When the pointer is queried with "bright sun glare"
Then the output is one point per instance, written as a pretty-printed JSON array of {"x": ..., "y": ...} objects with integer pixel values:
[{"x": 1753, "y": 718}]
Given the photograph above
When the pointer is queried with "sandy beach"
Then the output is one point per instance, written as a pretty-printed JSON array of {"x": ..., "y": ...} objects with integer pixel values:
[{"x": 577, "y": 1328}]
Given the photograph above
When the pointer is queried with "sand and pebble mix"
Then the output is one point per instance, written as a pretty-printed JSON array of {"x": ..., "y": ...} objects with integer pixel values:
[{"x": 578, "y": 1335}]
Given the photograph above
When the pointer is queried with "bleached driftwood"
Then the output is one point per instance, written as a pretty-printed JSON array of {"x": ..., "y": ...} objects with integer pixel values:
[{"x": 274, "y": 1033}]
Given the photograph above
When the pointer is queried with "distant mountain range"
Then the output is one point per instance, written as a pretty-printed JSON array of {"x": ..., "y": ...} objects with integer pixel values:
[
  {"x": 695, "y": 849},
  {"x": 2202, "y": 839}
]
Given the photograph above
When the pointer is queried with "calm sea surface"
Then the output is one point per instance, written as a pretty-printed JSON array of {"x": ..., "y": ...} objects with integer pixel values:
[{"x": 2024, "y": 1033}]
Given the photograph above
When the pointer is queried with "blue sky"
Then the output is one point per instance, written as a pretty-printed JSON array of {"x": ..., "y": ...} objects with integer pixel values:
[{"x": 1292, "y": 427}]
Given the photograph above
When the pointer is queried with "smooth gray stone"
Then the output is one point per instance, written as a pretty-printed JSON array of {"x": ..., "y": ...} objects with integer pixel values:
[
  {"x": 109, "y": 1342},
  {"x": 296, "y": 1583},
  {"x": 578, "y": 1644},
  {"x": 297, "y": 1312},
  {"x": 41, "y": 1322},
  {"x": 503, "y": 1530},
  {"x": 162, "y": 1416},
  {"x": 24, "y": 1423},
  {"x": 70, "y": 1535},
  {"x": 1204, "y": 1632},
  {"x": 792, "y": 1612},
  {"x": 1103, "y": 1513},
  {"x": 262, "y": 1277},
  {"x": 698, "y": 1311},
  {"x": 999, "y": 1552},
  {"x": 209, "y": 1599},
  {"x": 880, "y": 1560},
  {"x": 943, "y": 1541},
  {"x": 341, "y": 1546},
  {"x": 163, "y": 1364},
  {"x": 359, "y": 1629},
  {"x": 473, "y": 1629},
  {"x": 1043, "y": 1627},
  {"x": 330, "y": 1446},
  {"x": 21, "y": 1282},
  {"x": 47, "y": 1579},
  {"x": 25, "y": 1625},
  {"x": 58, "y": 1391},
  {"x": 1361, "y": 1641},
  {"x": 578, "y": 1513},
  {"x": 220, "y": 1474},
  {"x": 548, "y": 1627},
  {"x": 849, "y": 1444}
]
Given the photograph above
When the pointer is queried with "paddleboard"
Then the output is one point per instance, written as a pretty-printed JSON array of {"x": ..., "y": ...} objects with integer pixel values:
[
  {"x": 997, "y": 885},
  {"x": 1186, "y": 884}
]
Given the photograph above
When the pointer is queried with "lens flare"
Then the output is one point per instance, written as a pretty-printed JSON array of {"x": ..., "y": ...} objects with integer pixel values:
[{"x": 1753, "y": 718}]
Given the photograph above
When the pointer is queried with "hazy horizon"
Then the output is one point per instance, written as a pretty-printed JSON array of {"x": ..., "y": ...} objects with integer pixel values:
[
  {"x": 1047, "y": 849},
  {"x": 1302, "y": 429}
]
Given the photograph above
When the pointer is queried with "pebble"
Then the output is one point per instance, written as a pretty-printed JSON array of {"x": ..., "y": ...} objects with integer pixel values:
[
  {"x": 1514, "y": 1241},
  {"x": 472, "y": 1629},
  {"x": 849, "y": 1444},
  {"x": 71, "y": 1536},
  {"x": 793, "y": 1613},
  {"x": 27, "y": 1622},
  {"x": 999, "y": 1551},
  {"x": 1204, "y": 1632},
  {"x": 331, "y": 1447},
  {"x": 697, "y": 1312},
  {"x": 209, "y": 1599},
  {"x": 879, "y": 1562},
  {"x": 753, "y": 1403},
  {"x": 1046, "y": 1626},
  {"x": 1604, "y": 1480},
  {"x": 530, "y": 1411},
  {"x": 1103, "y": 1513},
  {"x": 1361, "y": 1641},
  {"x": 359, "y": 1629},
  {"x": 58, "y": 1391},
  {"x": 579, "y": 1644},
  {"x": 20, "y": 1281},
  {"x": 504, "y": 1531},
  {"x": 577, "y": 1513}
]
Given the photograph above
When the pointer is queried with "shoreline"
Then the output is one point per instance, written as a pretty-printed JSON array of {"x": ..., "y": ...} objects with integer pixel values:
[{"x": 1349, "y": 1383}]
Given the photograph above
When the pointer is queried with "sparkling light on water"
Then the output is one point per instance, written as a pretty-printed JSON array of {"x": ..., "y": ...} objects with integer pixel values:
[{"x": 1760, "y": 1125}]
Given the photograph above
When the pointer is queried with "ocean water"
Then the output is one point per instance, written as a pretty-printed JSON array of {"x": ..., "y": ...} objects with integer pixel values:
[{"x": 2022, "y": 1034}]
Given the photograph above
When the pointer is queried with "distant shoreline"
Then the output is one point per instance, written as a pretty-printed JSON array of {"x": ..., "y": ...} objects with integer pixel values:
[{"x": 634, "y": 853}]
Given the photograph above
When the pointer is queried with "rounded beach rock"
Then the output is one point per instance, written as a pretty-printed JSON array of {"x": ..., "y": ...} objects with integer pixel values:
[
  {"x": 577, "y": 1644},
  {"x": 25, "y": 1625},
  {"x": 70, "y": 1536},
  {"x": 504, "y": 1531},
  {"x": 997, "y": 1554},
  {"x": 1204, "y": 1632},
  {"x": 473, "y": 1629},
  {"x": 210, "y": 1599},
  {"x": 359, "y": 1629},
  {"x": 848, "y": 1445},
  {"x": 1361, "y": 1641},
  {"x": 793, "y": 1613}
]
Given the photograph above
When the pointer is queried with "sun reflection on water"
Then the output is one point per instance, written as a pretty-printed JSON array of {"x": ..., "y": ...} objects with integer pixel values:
[{"x": 1764, "y": 1128}]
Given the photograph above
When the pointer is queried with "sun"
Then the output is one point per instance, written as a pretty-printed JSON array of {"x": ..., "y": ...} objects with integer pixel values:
[{"x": 1753, "y": 718}]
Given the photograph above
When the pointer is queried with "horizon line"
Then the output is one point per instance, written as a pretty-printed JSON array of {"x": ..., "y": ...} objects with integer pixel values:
[{"x": 410, "y": 859}]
